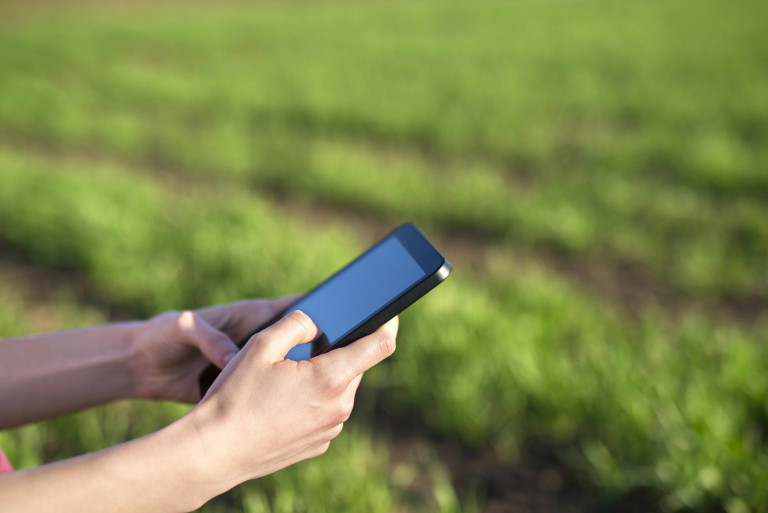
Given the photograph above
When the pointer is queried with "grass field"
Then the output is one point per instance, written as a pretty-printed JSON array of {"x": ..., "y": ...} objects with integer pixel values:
[{"x": 596, "y": 171}]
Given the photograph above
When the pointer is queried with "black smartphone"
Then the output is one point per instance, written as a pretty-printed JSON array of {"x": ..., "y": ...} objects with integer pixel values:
[{"x": 369, "y": 291}]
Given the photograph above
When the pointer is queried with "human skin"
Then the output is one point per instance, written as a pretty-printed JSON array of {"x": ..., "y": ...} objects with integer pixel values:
[{"x": 262, "y": 414}]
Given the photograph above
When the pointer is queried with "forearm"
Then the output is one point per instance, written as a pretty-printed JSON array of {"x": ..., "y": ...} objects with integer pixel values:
[
  {"x": 158, "y": 473},
  {"x": 48, "y": 375},
  {"x": 238, "y": 432}
]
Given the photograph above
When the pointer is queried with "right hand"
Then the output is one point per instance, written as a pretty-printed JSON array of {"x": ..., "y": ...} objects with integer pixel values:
[{"x": 265, "y": 413}]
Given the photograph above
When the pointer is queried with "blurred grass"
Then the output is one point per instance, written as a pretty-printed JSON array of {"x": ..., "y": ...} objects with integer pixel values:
[
  {"x": 497, "y": 362},
  {"x": 587, "y": 128},
  {"x": 140, "y": 154}
]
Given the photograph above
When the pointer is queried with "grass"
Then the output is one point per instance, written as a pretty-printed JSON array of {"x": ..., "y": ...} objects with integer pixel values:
[
  {"x": 627, "y": 135},
  {"x": 600, "y": 140}
]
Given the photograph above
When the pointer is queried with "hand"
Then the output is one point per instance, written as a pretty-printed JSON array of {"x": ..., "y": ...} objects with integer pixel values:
[
  {"x": 264, "y": 413},
  {"x": 173, "y": 348}
]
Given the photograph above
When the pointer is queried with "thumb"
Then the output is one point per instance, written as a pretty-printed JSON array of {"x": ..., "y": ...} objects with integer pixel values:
[
  {"x": 216, "y": 346},
  {"x": 295, "y": 328}
]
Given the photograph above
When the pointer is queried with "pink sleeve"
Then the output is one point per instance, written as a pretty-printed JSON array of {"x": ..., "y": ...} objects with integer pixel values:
[{"x": 5, "y": 465}]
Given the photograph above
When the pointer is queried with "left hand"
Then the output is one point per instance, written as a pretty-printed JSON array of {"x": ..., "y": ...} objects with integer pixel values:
[{"x": 173, "y": 348}]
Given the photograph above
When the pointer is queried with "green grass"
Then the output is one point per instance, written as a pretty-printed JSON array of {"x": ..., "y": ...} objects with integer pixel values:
[
  {"x": 585, "y": 128},
  {"x": 141, "y": 154},
  {"x": 499, "y": 362}
]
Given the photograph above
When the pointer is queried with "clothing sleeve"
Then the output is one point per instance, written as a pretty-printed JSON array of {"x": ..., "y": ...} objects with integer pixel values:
[{"x": 5, "y": 465}]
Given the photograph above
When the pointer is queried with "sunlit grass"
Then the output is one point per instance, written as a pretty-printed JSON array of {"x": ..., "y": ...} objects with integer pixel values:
[
  {"x": 140, "y": 153},
  {"x": 485, "y": 363},
  {"x": 579, "y": 127}
]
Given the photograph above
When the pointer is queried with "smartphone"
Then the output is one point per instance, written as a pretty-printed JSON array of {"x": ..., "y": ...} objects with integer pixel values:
[{"x": 369, "y": 291}]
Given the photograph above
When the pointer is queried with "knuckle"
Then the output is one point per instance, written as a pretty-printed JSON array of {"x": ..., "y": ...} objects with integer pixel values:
[
  {"x": 322, "y": 448},
  {"x": 261, "y": 336},
  {"x": 337, "y": 417},
  {"x": 302, "y": 319},
  {"x": 305, "y": 366},
  {"x": 387, "y": 346},
  {"x": 334, "y": 384},
  {"x": 263, "y": 340},
  {"x": 336, "y": 430},
  {"x": 185, "y": 320},
  {"x": 165, "y": 319},
  {"x": 170, "y": 315},
  {"x": 341, "y": 414}
]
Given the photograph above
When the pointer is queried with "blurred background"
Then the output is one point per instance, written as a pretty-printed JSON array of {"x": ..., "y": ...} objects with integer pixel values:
[{"x": 597, "y": 172}]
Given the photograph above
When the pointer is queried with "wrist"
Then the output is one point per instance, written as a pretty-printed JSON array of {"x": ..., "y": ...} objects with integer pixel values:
[
  {"x": 210, "y": 461},
  {"x": 132, "y": 332},
  {"x": 197, "y": 478}
]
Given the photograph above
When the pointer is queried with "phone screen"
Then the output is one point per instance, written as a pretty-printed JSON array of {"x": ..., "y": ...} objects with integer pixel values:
[{"x": 349, "y": 298}]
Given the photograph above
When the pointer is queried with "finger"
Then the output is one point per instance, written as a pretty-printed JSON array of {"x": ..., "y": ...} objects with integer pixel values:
[
  {"x": 352, "y": 387},
  {"x": 359, "y": 356},
  {"x": 242, "y": 318},
  {"x": 216, "y": 346},
  {"x": 345, "y": 404},
  {"x": 348, "y": 400},
  {"x": 313, "y": 451},
  {"x": 293, "y": 329}
]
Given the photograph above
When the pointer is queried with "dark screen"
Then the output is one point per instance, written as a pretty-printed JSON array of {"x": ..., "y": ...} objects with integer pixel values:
[{"x": 345, "y": 301}]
